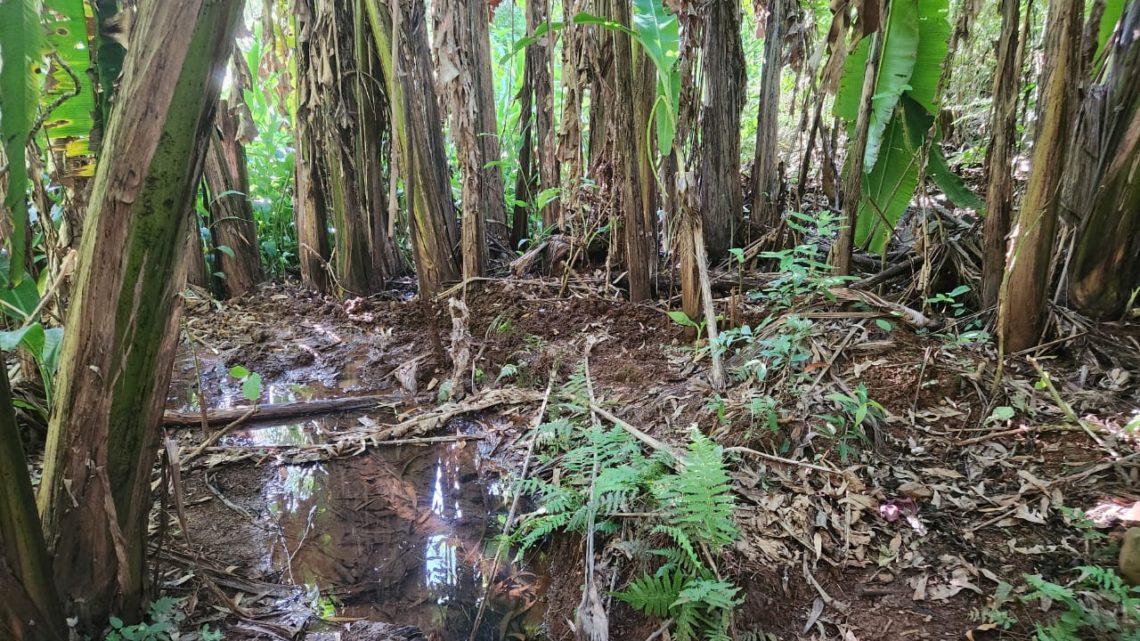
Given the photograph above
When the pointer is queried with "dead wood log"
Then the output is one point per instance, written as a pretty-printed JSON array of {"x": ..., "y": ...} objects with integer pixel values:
[{"x": 281, "y": 410}]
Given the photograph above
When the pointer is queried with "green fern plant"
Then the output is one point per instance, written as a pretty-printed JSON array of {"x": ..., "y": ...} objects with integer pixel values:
[
  {"x": 1098, "y": 605},
  {"x": 691, "y": 512},
  {"x": 698, "y": 499}
]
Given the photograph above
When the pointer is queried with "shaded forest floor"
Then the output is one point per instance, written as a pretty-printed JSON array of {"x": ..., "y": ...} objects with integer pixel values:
[{"x": 904, "y": 534}]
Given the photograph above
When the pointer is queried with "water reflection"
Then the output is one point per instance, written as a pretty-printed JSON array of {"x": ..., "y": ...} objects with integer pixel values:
[{"x": 399, "y": 535}]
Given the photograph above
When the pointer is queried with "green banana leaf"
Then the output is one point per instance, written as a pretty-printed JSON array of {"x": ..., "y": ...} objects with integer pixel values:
[
  {"x": 1113, "y": 10},
  {"x": 68, "y": 126},
  {"x": 19, "y": 94},
  {"x": 887, "y": 189},
  {"x": 934, "y": 38},
  {"x": 919, "y": 124},
  {"x": 896, "y": 66},
  {"x": 659, "y": 34}
]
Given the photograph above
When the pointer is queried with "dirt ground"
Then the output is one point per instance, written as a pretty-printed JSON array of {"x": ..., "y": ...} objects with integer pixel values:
[{"x": 903, "y": 536}]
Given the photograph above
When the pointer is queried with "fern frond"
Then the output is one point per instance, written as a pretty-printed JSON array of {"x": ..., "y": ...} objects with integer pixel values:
[
  {"x": 698, "y": 499},
  {"x": 653, "y": 594},
  {"x": 689, "y": 559}
]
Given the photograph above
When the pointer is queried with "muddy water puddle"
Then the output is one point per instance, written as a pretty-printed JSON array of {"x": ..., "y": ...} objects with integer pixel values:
[{"x": 402, "y": 535}]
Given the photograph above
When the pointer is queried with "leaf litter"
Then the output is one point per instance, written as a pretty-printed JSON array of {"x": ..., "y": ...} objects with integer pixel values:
[{"x": 951, "y": 493}]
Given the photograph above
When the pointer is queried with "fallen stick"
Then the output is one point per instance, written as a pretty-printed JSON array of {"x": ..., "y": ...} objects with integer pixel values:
[
  {"x": 657, "y": 445},
  {"x": 281, "y": 410}
]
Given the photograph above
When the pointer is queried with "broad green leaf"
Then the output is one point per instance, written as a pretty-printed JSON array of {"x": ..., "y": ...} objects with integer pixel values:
[
  {"x": 851, "y": 83},
  {"x": 1113, "y": 9},
  {"x": 251, "y": 387},
  {"x": 681, "y": 318},
  {"x": 919, "y": 124},
  {"x": 896, "y": 65},
  {"x": 657, "y": 31},
  {"x": 69, "y": 125},
  {"x": 53, "y": 340},
  {"x": 19, "y": 301},
  {"x": 539, "y": 32},
  {"x": 590, "y": 19},
  {"x": 227, "y": 250},
  {"x": 950, "y": 183},
  {"x": 20, "y": 35},
  {"x": 933, "y": 38},
  {"x": 887, "y": 190},
  {"x": 664, "y": 118},
  {"x": 239, "y": 372},
  {"x": 659, "y": 34},
  {"x": 31, "y": 337}
]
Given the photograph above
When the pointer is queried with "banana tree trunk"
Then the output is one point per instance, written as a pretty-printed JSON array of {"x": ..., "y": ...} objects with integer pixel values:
[
  {"x": 999, "y": 193},
  {"x": 765, "y": 167},
  {"x": 419, "y": 137},
  {"x": 853, "y": 180},
  {"x": 334, "y": 110},
  {"x": 1021, "y": 300},
  {"x": 539, "y": 60},
  {"x": 724, "y": 91},
  {"x": 1106, "y": 264},
  {"x": 30, "y": 609},
  {"x": 309, "y": 213},
  {"x": 569, "y": 154},
  {"x": 623, "y": 140},
  {"x": 463, "y": 59},
  {"x": 119, "y": 349},
  {"x": 231, "y": 214}
]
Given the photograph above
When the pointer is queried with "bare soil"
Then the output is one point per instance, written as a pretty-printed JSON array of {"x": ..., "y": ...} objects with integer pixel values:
[{"x": 821, "y": 556}]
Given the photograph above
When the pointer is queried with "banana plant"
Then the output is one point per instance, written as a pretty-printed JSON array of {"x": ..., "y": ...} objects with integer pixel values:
[
  {"x": 68, "y": 102},
  {"x": 905, "y": 103},
  {"x": 657, "y": 31},
  {"x": 20, "y": 49}
]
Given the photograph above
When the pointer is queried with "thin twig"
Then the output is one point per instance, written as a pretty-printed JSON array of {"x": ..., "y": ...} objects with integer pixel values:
[
  {"x": 213, "y": 438},
  {"x": 514, "y": 503},
  {"x": 1065, "y": 408}
]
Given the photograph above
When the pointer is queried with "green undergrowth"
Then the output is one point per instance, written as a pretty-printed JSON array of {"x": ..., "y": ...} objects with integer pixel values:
[{"x": 671, "y": 518}]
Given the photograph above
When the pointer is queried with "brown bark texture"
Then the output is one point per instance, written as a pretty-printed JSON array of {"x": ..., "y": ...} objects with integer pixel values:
[{"x": 118, "y": 353}]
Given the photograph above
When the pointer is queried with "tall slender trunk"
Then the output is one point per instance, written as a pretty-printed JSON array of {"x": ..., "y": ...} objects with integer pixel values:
[
  {"x": 231, "y": 214},
  {"x": 623, "y": 139},
  {"x": 196, "y": 273},
  {"x": 30, "y": 609},
  {"x": 408, "y": 77},
  {"x": 645, "y": 90},
  {"x": 999, "y": 193},
  {"x": 309, "y": 211},
  {"x": 1106, "y": 264},
  {"x": 765, "y": 168},
  {"x": 574, "y": 60},
  {"x": 853, "y": 180},
  {"x": 340, "y": 111},
  {"x": 463, "y": 58},
  {"x": 1021, "y": 300},
  {"x": 723, "y": 73},
  {"x": 539, "y": 59},
  {"x": 119, "y": 349}
]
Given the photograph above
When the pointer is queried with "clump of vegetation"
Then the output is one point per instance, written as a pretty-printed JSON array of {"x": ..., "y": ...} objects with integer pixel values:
[
  {"x": 163, "y": 624},
  {"x": 687, "y": 503}
]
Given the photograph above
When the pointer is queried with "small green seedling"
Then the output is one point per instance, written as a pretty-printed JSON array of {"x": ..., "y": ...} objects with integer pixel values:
[{"x": 250, "y": 382}]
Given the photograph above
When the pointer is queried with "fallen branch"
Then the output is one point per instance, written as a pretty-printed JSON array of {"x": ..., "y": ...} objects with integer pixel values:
[
  {"x": 281, "y": 410},
  {"x": 358, "y": 441}
]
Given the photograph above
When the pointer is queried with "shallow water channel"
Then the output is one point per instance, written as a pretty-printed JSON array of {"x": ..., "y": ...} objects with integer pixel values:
[{"x": 403, "y": 535}]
